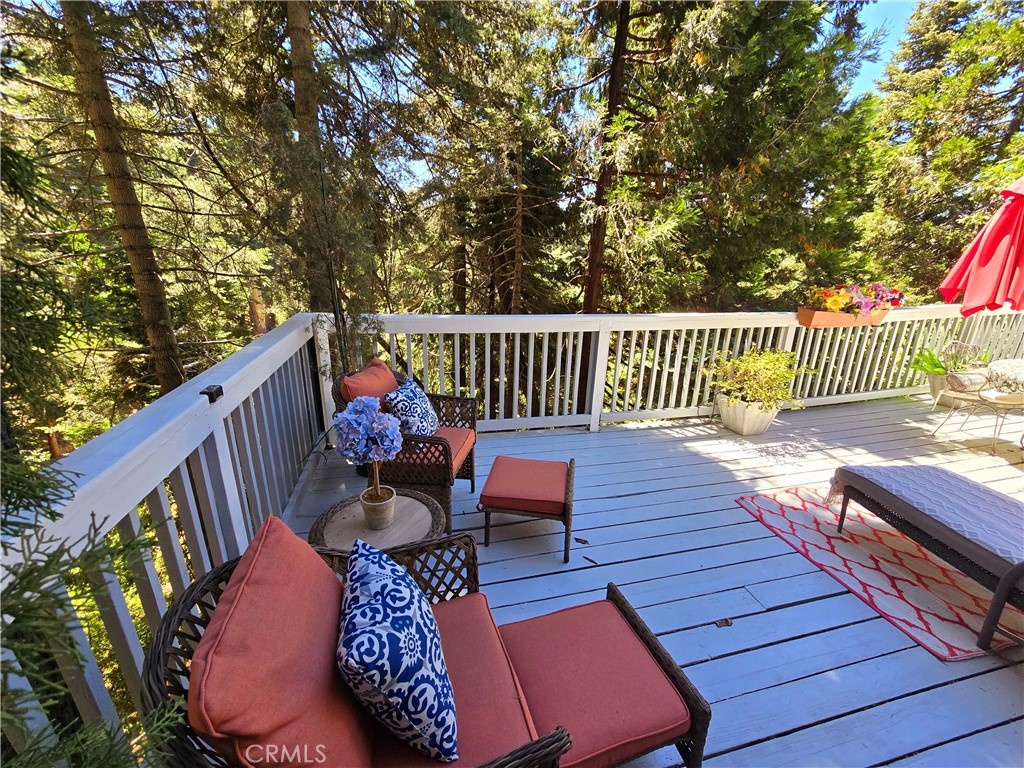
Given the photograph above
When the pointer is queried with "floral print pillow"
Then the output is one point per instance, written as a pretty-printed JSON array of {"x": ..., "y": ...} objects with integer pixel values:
[
  {"x": 412, "y": 407},
  {"x": 390, "y": 655}
]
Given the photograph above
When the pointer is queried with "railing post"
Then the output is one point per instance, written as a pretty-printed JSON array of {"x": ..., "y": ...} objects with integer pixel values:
[
  {"x": 82, "y": 674},
  {"x": 599, "y": 356},
  {"x": 119, "y": 628},
  {"x": 35, "y": 728},
  {"x": 323, "y": 356},
  {"x": 787, "y": 343},
  {"x": 147, "y": 581}
]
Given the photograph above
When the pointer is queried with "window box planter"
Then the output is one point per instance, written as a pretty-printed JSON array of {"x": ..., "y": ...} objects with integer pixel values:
[{"x": 817, "y": 318}]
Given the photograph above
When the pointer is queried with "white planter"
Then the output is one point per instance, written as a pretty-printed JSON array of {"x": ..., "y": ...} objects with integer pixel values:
[
  {"x": 745, "y": 418},
  {"x": 936, "y": 383}
]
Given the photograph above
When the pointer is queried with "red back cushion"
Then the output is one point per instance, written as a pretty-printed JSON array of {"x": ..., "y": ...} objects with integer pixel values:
[
  {"x": 375, "y": 380},
  {"x": 264, "y": 686}
]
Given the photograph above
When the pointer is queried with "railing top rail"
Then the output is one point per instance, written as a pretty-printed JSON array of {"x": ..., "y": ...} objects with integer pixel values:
[
  {"x": 152, "y": 441},
  {"x": 510, "y": 323}
]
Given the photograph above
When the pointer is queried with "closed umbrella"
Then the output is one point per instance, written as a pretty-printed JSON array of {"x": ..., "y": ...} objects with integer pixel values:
[{"x": 990, "y": 273}]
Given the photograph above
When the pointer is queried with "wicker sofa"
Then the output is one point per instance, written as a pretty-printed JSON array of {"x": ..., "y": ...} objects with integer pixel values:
[
  {"x": 431, "y": 464},
  {"x": 556, "y": 697}
]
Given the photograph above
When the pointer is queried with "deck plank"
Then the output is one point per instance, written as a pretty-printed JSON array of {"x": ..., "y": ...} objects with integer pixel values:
[
  {"x": 895, "y": 728},
  {"x": 655, "y": 513},
  {"x": 759, "y": 715},
  {"x": 996, "y": 747}
]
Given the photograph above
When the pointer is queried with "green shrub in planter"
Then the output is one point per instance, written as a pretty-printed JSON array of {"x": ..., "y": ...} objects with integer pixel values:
[{"x": 757, "y": 376}]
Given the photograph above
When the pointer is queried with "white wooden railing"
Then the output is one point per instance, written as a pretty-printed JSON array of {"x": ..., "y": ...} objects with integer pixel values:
[
  {"x": 532, "y": 371},
  {"x": 200, "y": 477}
]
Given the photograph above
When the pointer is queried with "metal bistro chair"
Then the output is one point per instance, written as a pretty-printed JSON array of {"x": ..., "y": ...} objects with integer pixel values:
[{"x": 968, "y": 392}]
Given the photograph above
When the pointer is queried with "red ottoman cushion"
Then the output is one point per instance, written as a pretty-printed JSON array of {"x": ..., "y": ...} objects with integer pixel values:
[
  {"x": 527, "y": 484},
  {"x": 585, "y": 669}
]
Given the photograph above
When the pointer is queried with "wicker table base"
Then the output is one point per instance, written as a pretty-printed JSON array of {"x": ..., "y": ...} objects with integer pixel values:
[{"x": 417, "y": 517}]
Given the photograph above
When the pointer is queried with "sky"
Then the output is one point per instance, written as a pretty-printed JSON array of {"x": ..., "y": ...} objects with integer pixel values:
[{"x": 891, "y": 16}]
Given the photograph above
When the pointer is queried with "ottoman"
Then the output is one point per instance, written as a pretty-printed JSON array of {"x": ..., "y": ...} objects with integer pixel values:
[
  {"x": 599, "y": 672},
  {"x": 530, "y": 488}
]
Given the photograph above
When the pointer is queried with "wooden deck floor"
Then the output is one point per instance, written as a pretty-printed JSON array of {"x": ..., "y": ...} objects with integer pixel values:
[{"x": 806, "y": 674}]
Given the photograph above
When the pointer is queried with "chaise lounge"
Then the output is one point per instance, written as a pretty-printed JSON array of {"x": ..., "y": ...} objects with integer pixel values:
[
  {"x": 586, "y": 686},
  {"x": 970, "y": 526}
]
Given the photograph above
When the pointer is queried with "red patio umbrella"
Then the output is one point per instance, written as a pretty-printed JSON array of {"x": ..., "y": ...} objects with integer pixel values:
[{"x": 990, "y": 273}]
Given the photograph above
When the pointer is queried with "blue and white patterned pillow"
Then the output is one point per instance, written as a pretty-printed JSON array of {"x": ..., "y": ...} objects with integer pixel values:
[
  {"x": 389, "y": 653},
  {"x": 412, "y": 407}
]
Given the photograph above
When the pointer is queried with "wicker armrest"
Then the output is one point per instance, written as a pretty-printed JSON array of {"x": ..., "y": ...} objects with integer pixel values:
[
  {"x": 544, "y": 752},
  {"x": 454, "y": 411},
  {"x": 692, "y": 750},
  {"x": 423, "y": 459},
  {"x": 444, "y": 568}
]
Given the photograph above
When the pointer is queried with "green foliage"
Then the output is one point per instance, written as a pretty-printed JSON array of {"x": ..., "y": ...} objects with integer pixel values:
[
  {"x": 100, "y": 746},
  {"x": 757, "y": 376},
  {"x": 738, "y": 155},
  {"x": 955, "y": 358},
  {"x": 37, "y": 622},
  {"x": 946, "y": 136},
  {"x": 928, "y": 361}
]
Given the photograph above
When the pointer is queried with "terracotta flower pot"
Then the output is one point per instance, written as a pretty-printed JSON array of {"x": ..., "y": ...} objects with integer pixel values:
[
  {"x": 378, "y": 514},
  {"x": 818, "y": 318}
]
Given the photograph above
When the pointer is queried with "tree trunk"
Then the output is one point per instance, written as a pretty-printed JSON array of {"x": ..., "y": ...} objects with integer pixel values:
[
  {"x": 605, "y": 179},
  {"x": 7, "y": 441},
  {"x": 99, "y": 112},
  {"x": 460, "y": 257},
  {"x": 460, "y": 277},
  {"x": 53, "y": 442},
  {"x": 257, "y": 321},
  {"x": 606, "y": 175},
  {"x": 307, "y": 99},
  {"x": 517, "y": 268}
]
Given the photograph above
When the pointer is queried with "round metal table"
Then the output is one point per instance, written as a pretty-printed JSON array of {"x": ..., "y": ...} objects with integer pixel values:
[{"x": 417, "y": 517}]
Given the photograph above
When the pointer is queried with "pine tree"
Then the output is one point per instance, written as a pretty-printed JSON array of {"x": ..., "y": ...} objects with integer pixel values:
[
  {"x": 99, "y": 111},
  {"x": 734, "y": 152},
  {"x": 948, "y": 135}
]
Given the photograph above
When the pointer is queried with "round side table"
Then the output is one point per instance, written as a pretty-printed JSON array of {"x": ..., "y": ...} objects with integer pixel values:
[{"x": 417, "y": 517}]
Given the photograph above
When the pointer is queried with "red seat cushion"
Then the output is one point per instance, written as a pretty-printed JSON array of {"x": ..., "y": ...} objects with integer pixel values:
[
  {"x": 489, "y": 705},
  {"x": 264, "y": 674},
  {"x": 526, "y": 484},
  {"x": 585, "y": 669},
  {"x": 375, "y": 380},
  {"x": 461, "y": 440}
]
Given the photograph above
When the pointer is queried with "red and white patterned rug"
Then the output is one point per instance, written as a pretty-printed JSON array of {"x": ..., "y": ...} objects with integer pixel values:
[{"x": 939, "y": 607}]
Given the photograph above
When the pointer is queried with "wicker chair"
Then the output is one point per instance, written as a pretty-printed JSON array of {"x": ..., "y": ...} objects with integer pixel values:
[
  {"x": 444, "y": 568},
  {"x": 426, "y": 464}
]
